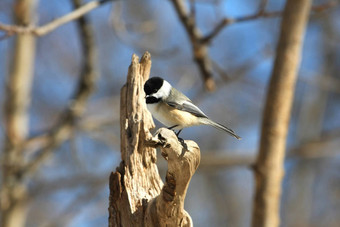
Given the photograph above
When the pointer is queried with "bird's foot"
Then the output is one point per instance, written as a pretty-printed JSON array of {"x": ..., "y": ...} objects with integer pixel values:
[
  {"x": 181, "y": 140},
  {"x": 178, "y": 133},
  {"x": 184, "y": 145}
]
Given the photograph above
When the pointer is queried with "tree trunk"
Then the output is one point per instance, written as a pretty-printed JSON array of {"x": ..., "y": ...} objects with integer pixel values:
[
  {"x": 137, "y": 194},
  {"x": 269, "y": 165},
  {"x": 13, "y": 191}
]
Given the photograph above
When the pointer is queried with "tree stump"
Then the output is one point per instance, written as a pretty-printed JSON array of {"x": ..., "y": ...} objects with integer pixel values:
[{"x": 138, "y": 196}]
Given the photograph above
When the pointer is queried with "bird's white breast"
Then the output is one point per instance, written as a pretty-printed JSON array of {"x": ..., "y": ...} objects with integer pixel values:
[
  {"x": 156, "y": 111},
  {"x": 170, "y": 116}
]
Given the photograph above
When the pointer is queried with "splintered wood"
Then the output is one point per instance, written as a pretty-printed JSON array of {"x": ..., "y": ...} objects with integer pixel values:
[{"x": 137, "y": 194}]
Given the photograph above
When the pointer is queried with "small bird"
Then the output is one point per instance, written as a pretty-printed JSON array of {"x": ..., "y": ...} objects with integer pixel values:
[{"x": 173, "y": 109}]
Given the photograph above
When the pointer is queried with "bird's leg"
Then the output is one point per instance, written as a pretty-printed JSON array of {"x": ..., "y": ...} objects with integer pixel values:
[
  {"x": 179, "y": 139},
  {"x": 172, "y": 127},
  {"x": 178, "y": 132},
  {"x": 174, "y": 130},
  {"x": 185, "y": 147}
]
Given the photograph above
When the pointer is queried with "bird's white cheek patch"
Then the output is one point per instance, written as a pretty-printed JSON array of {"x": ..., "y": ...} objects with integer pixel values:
[{"x": 164, "y": 91}]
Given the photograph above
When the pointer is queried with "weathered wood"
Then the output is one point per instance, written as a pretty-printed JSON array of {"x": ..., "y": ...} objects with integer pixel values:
[
  {"x": 167, "y": 209},
  {"x": 136, "y": 181}
]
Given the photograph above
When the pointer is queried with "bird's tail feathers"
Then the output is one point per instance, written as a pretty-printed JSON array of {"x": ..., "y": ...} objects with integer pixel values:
[{"x": 207, "y": 121}]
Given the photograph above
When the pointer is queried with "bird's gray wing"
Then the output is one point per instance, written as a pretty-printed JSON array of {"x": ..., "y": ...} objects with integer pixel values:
[{"x": 182, "y": 102}]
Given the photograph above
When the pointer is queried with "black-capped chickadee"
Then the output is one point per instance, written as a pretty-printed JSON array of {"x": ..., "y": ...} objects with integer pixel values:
[{"x": 173, "y": 109}]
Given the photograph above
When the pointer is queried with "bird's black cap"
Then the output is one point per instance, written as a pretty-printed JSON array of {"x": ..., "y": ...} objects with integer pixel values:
[{"x": 152, "y": 85}]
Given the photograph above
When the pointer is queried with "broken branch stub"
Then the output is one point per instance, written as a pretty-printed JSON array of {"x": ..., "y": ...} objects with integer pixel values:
[
  {"x": 183, "y": 158},
  {"x": 136, "y": 179},
  {"x": 137, "y": 194}
]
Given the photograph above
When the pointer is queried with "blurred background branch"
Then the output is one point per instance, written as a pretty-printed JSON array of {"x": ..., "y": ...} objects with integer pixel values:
[
  {"x": 13, "y": 191},
  {"x": 200, "y": 51},
  {"x": 201, "y": 42},
  {"x": 49, "y": 27},
  {"x": 261, "y": 13},
  {"x": 318, "y": 149},
  {"x": 269, "y": 170},
  {"x": 85, "y": 87}
]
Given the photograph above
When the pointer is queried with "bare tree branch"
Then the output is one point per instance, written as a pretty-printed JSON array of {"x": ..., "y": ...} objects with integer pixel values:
[
  {"x": 324, "y": 147},
  {"x": 200, "y": 51},
  {"x": 47, "y": 28},
  {"x": 320, "y": 148},
  {"x": 261, "y": 13},
  {"x": 200, "y": 43},
  {"x": 228, "y": 21},
  {"x": 86, "y": 84},
  {"x": 262, "y": 5},
  {"x": 18, "y": 93},
  {"x": 269, "y": 164}
]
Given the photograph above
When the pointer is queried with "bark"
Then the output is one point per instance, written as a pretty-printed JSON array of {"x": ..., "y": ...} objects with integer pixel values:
[
  {"x": 137, "y": 194},
  {"x": 13, "y": 191},
  {"x": 269, "y": 165}
]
